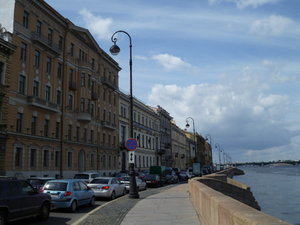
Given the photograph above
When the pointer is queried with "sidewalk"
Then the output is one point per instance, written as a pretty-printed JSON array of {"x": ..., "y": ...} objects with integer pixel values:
[{"x": 170, "y": 207}]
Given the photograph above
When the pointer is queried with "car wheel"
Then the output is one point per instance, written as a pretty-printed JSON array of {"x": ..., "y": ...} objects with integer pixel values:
[
  {"x": 113, "y": 195},
  {"x": 3, "y": 218},
  {"x": 92, "y": 202},
  {"x": 44, "y": 211},
  {"x": 73, "y": 206}
]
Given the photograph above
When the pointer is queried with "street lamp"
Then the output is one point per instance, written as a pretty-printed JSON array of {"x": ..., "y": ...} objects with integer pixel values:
[
  {"x": 217, "y": 146},
  {"x": 114, "y": 50},
  {"x": 187, "y": 126},
  {"x": 208, "y": 138}
]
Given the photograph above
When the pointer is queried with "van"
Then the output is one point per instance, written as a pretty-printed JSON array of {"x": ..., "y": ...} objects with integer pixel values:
[{"x": 86, "y": 177}]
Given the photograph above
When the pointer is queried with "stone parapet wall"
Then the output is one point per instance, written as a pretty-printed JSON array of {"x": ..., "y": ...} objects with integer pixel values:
[{"x": 216, "y": 208}]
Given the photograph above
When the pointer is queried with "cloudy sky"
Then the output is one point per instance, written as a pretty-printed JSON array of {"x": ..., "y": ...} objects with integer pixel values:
[{"x": 232, "y": 65}]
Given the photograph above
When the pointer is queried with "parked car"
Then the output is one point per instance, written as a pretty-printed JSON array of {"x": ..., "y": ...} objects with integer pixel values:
[
  {"x": 18, "y": 200},
  {"x": 107, "y": 187},
  {"x": 69, "y": 193},
  {"x": 120, "y": 176},
  {"x": 185, "y": 175},
  {"x": 153, "y": 180},
  {"x": 171, "y": 177},
  {"x": 86, "y": 177},
  {"x": 39, "y": 182},
  {"x": 140, "y": 183}
]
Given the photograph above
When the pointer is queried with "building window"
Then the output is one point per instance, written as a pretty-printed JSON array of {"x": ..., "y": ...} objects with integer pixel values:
[
  {"x": 72, "y": 49},
  {"x": 2, "y": 81},
  {"x": 89, "y": 105},
  {"x": 70, "y": 132},
  {"x": 25, "y": 19},
  {"x": 78, "y": 133},
  {"x": 19, "y": 124},
  {"x": 70, "y": 102},
  {"x": 18, "y": 157},
  {"x": 57, "y": 130},
  {"x": 92, "y": 136},
  {"x": 92, "y": 161},
  {"x": 50, "y": 36},
  {"x": 57, "y": 158},
  {"x": 85, "y": 135},
  {"x": 103, "y": 138},
  {"x": 33, "y": 157},
  {"x": 46, "y": 128},
  {"x": 70, "y": 159},
  {"x": 48, "y": 92},
  {"x": 46, "y": 158},
  {"x": 93, "y": 63},
  {"x": 104, "y": 162},
  {"x": 35, "y": 89},
  {"x": 89, "y": 81},
  {"x": 59, "y": 70},
  {"x": 23, "y": 51},
  {"x": 22, "y": 80},
  {"x": 81, "y": 104},
  {"x": 82, "y": 79},
  {"x": 33, "y": 125},
  {"x": 49, "y": 65},
  {"x": 58, "y": 97},
  {"x": 37, "y": 59},
  {"x": 38, "y": 27},
  {"x": 60, "y": 42}
]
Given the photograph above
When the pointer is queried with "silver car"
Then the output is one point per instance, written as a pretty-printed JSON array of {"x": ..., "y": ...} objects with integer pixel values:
[
  {"x": 107, "y": 187},
  {"x": 141, "y": 184}
]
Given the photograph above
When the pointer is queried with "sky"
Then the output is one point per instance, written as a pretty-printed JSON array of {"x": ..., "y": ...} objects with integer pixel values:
[{"x": 231, "y": 65}]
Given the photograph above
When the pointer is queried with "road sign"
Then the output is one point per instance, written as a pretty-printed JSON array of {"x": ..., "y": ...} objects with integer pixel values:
[
  {"x": 131, "y": 157},
  {"x": 131, "y": 144}
]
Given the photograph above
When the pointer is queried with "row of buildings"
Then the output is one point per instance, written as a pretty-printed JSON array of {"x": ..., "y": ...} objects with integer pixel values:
[{"x": 61, "y": 110}]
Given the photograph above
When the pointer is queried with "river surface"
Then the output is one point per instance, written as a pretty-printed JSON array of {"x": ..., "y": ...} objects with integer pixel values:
[{"x": 276, "y": 189}]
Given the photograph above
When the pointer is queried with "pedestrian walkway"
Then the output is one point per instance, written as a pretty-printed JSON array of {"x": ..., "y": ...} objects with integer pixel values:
[{"x": 169, "y": 207}]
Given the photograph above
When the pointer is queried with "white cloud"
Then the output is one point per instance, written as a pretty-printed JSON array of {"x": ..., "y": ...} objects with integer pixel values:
[
  {"x": 242, "y": 114},
  {"x": 245, "y": 3},
  {"x": 96, "y": 24},
  {"x": 170, "y": 62},
  {"x": 274, "y": 25}
]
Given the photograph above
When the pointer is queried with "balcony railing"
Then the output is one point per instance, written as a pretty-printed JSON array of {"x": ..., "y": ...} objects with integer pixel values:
[
  {"x": 84, "y": 116},
  {"x": 94, "y": 95},
  {"x": 38, "y": 38},
  {"x": 108, "y": 83},
  {"x": 108, "y": 125},
  {"x": 42, "y": 103},
  {"x": 83, "y": 63},
  {"x": 72, "y": 85}
]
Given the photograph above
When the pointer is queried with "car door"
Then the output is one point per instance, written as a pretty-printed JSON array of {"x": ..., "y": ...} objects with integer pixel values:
[
  {"x": 85, "y": 193},
  {"x": 31, "y": 202},
  {"x": 11, "y": 193},
  {"x": 118, "y": 187},
  {"x": 77, "y": 193}
]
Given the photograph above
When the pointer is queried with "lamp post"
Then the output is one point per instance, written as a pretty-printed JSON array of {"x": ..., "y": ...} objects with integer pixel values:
[
  {"x": 210, "y": 143},
  {"x": 187, "y": 126},
  {"x": 217, "y": 146},
  {"x": 114, "y": 50}
]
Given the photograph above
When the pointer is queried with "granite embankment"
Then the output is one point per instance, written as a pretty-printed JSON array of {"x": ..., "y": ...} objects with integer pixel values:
[{"x": 220, "y": 200}]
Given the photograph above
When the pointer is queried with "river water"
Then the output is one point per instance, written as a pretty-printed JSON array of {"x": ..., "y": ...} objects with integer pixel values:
[{"x": 276, "y": 189}]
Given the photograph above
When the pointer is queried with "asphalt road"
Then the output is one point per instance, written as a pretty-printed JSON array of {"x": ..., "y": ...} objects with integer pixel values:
[{"x": 62, "y": 216}]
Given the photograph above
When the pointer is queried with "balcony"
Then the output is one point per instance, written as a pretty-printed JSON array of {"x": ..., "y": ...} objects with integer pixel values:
[
  {"x": 43, "y": 104},
  {"x": 72, "y": 85},
  {"x": 84, "y": 116},
  {"x": 109, "y": 83},
  {"x": 44, "y": 42},
  {"x": 83, "y": 63},
  {"x": 94, "y": 95},
  {"x": 161, "y": 151},
  {"x": 108, "y": 125}
]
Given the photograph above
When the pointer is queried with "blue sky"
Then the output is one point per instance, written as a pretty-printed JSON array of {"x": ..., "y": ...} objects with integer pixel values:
[{"x": 232, "y": 65}]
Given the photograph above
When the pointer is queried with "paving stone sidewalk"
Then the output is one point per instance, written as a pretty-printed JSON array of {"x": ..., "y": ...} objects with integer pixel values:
[
  {"x": 114, "y": 212},
  {"x": 169, "y": 205}
]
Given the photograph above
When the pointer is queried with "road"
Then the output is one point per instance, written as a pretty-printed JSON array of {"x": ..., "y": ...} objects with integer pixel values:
[{"x": 62, "y": 217}]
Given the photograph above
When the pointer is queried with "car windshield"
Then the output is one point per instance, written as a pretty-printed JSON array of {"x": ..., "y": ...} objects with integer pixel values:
[
  {"x": 100, "y": 181},
  {"x": 57, "y": 186},
  {"x": 126, "y": 178},
  {"x": 81, "y": 176},
  {"x": 150, "y": 177},
  {"x": 34, "y": 182}
]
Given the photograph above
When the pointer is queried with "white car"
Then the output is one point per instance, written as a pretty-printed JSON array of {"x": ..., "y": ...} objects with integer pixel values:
[
  {"x": 185, "y": 175},
  {"x": 141, "y": 185},
  {"x": 86, "y": 177},
  {"x": 107, "y": 187}
]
